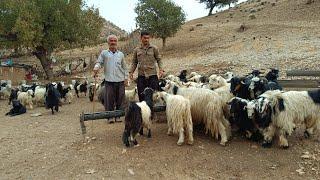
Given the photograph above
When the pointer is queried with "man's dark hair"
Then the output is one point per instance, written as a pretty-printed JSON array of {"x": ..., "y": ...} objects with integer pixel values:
[{"x": 144, "y": 33}]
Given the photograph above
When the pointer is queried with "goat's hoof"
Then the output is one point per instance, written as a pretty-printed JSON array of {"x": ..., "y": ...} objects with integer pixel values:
[
  {"x": 190, "y": 142},
  {"x": 223, "y": 143},
  {"x": 285, "y": 147},
  {"x": 306, "y": 134},
  {"x": 135, "y": 142},
  {"x": 179, "y": 143},
  {"x": 266, "y": 144},
  {"x": 149, "y": 136}
]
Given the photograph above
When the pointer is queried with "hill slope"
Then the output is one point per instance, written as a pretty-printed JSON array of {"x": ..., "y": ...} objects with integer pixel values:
[{"x": 278, "y": 33}]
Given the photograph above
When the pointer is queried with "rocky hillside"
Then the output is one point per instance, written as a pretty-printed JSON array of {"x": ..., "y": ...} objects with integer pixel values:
[
  {"x": 257, "y": 34},
  {"x": 110, "y": 28}
]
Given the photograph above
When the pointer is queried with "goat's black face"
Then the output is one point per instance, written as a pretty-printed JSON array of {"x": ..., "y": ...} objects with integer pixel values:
[
  {"x": 259, "y": 87},
  {"x": 50, "y": 88},
  {"x": 256, "y": 73},
  {"x": 235, "y": 85},
  {"x": 148, "y": 92},
  {"x": 183, "y": 74}
]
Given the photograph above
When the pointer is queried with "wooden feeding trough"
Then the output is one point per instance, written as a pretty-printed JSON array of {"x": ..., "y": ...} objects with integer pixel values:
[{"x": 107, "y": 115}]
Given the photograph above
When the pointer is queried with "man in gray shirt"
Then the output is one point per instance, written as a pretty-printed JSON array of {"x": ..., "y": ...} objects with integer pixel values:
[{"x": 116, "y": 75}]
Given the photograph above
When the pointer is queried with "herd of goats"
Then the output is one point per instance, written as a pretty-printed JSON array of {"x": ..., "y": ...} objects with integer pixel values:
[{"x": 254, "y": 105}]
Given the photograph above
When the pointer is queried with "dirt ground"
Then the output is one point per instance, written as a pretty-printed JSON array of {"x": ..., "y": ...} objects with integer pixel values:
[{"x": 52, "y": 147}]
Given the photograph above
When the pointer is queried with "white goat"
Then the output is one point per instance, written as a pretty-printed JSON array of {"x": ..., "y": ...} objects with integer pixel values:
[
  {"x": 178, "y": 111},
  {"x": 206, "y": 108},
  {"x": 25, "y": 98}
]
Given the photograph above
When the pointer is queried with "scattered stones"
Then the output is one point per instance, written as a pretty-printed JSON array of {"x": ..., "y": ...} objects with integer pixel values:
[
  {"x": 300, "y": 171},
  {"x": 252, "y": 16},
  {"x": 91, "y": 171},
  {"x": 131, "y": 172}
]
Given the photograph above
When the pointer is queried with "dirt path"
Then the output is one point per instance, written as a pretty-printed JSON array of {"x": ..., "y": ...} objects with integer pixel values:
[{"x": 51, "y": 147}]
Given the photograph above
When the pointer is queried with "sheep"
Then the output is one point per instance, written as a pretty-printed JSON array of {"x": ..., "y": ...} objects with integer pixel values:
[
  {"x": 206, "y": 108},
  {"x": 17, "y": 109},
  {"x": 25, "y": 98},
  {"x": 174, "y": 78},
  {"x": 39, "y": 96},
  {"x": 243, "y": 114},
  {"x": 280, "y": 112},
  {"x": 52, "y": 98},
  {"x": 216, "y": 81},
  {"x": 138, "y": 115},
  {"x": 178, "y": 116},
  {"x": 81, "y": 88}
]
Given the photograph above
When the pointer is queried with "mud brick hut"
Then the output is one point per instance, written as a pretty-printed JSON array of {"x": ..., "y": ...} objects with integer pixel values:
[{"x": 15, "y": 73}]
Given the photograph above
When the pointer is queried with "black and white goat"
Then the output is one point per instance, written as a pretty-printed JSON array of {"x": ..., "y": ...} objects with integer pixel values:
[
  {"x": 65, "y": 93},
  {"x": 81, "y": 88},
  {"x": 251, "y": 87},
  {"x": 138, "y": 115},
  {"x": 17, "y": 109},
  {"x": 243, "y": 114},
  {"x": 281, "y": 112},
  {"x": 52, "y": 98}
]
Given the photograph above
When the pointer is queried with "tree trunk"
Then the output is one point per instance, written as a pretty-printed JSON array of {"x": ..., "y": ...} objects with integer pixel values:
[
  {"x": 210, "y": 11},
  {"x": 44, "y": 56},
  {"x": 164, "y": 40},
  {"x": 211, "y": 8}
]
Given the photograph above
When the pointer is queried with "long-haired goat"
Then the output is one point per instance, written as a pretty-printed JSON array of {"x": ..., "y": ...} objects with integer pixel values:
[
  {"x": 178, "y": 112},
  {"x": 138, "y": 115},
  {"x": 280, "y": 113},
  {"x": 206, "y": 108}
]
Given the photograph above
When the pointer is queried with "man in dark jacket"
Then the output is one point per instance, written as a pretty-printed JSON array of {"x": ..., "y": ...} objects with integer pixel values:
[{"x": 146, "y": 57}]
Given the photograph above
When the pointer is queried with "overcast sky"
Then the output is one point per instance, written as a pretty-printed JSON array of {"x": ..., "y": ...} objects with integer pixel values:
[{"x": 121, "y": 12}]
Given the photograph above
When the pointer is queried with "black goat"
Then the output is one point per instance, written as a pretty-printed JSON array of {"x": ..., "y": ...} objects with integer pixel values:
[
  {"x": 17, "y": 109},
  {"x": 13, "y": 95},
  {"x": 183, "y": 76},
  {"x": 52, "y": 98}
]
